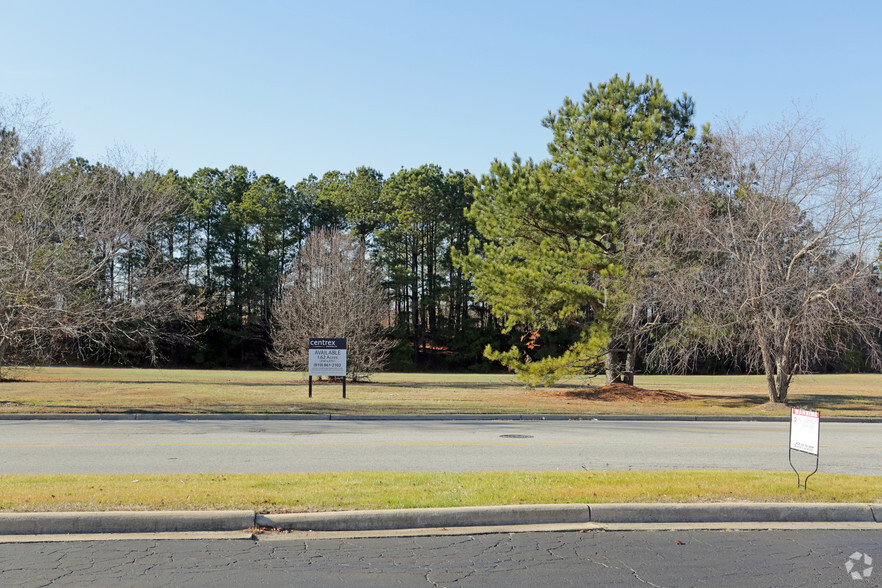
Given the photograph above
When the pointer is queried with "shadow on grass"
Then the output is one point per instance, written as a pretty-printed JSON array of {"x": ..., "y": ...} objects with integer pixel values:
[
  {"x": 182, "y": 410},
  {"x": 297, "y": 382},
  {"x": 570, "y": 386},
  {"x": 295, "y": 405},
  {"x": 843, "y": 404},
  {"x": 740, "y": 401},
  {"x": 474, "y": 385},
  {"x": 855, "y": 402},
  {"x": 172, "y": 382}
]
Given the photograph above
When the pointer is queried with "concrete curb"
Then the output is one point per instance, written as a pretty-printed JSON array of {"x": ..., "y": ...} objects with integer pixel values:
[
  {"x": 573, "y": 513},
  {"x": 153, "y": 416},
  {"x": 47, "y": 523},
  {"x": 54, "y": 523},
  {"x": 732, "y": 513},
  {"x": 418, "y": 518}
]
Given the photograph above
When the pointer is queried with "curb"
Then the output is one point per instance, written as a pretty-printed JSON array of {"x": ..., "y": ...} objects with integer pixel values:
[
  {"x": 156, "y": 416},
  {"x": 420, "y": 518},
  {"x": 47, "y": 523},
  {"x": 735, "y": 513},
  {"x": 54, "y": 523}
]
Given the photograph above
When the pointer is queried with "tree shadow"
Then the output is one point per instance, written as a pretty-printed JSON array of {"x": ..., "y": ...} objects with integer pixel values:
[
  {"x": 566, "y": 386},
  {"x": 853, "y": 402},
  {"x": 177, "y": 382},
  {"x": 857, "y": 404},
  {"x": 740, "y": 401},
  {"x": 472, "y": 385}
]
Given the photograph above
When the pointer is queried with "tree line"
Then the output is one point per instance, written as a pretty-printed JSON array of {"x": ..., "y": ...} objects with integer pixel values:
[
  {"x": 194, "y": 265},
  {"x": 638, "y": 244},
  {"x": 239, "y": 233}
]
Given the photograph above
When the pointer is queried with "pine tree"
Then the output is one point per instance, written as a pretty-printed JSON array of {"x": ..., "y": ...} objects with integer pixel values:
[{"x": 548, "y": 257}]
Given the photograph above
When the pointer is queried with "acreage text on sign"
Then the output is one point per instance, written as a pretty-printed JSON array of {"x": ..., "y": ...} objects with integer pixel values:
[
  {"x": 805, "y": 427},
  {"x": 327, "y": 357}
]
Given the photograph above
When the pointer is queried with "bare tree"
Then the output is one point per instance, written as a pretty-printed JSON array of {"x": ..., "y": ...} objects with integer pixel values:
[
  {"x": 331, "y": 290},
  {"x": 760, "y": 246},
  {"x": 76, "y": 260}
]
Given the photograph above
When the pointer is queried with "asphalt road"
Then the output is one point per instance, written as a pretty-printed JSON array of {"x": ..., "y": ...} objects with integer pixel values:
[
  {"x": 255, "y": 446},
  {"x": 595, "y": 558}
]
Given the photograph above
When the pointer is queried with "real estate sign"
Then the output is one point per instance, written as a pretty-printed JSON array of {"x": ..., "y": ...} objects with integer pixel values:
[
  {"x": 805, "y": 430},
  {"x": 327, "y": 357}
]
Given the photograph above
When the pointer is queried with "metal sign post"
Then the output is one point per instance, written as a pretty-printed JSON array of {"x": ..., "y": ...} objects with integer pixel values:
[
  {"x": 805, "y": 437},
  {"x": 327, "y": 357}
]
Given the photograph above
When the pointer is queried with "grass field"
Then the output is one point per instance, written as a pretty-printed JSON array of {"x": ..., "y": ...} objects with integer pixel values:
[
  {"x": 114, "y": 390},
  {"x": 382, "y": 490}
]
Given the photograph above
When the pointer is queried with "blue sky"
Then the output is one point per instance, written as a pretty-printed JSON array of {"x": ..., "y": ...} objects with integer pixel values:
[{"x": 293, "y": 88}]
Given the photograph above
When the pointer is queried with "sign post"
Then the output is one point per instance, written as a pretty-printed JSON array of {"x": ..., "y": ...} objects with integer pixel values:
[
  {"x": 327, "y": 357},
  {"x": 805, "y": 435}
]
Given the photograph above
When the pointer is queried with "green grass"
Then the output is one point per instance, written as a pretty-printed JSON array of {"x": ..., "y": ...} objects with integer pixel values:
[
  {"x": 93, "y": 390},
  {"x": 277, "y": 493}
]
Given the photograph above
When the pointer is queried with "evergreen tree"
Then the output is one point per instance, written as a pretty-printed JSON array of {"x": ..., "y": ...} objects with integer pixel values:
[{"x": 547, "y": 259}]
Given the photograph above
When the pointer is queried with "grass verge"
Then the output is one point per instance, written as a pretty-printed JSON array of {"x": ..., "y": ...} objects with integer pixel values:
[
  {"x": 119, "y": 390},
  {"x": 275, "y": 493}
]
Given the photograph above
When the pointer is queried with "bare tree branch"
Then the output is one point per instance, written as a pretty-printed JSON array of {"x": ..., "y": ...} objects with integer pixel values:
[
  {"x": 761, "y": 246},
  {"x": 79, "y": 258},
  {"x": 332, "y": 290}
]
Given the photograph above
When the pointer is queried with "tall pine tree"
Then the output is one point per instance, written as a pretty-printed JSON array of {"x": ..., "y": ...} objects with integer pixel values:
[{"x": 547, "y": 259}]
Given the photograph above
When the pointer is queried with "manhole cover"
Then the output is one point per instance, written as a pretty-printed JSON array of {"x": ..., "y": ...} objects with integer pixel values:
[{"x": 517, "y": 436}]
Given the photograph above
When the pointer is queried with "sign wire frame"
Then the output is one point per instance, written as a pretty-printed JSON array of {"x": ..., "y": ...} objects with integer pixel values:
[{"x": 817, "y": 455}]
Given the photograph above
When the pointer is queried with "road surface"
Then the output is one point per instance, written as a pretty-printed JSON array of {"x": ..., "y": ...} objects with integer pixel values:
[
  {"x": 594, "y": 558},
  {"x": 270, "y": 446}
]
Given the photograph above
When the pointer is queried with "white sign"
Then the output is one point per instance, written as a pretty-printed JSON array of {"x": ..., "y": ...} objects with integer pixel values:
[
  {"x": 805, "y": 430},
  {"x": 327, "y": 357}
]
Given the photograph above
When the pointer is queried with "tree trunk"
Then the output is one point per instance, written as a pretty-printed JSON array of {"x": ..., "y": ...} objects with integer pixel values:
[
  {"x": 3, "y": 345},
  {"x": 189, "y": 250},
  {"x": 236, "y": 278},
  {"x": 619, "y": 361},
  {"x": 610, "y": 361},
  {"x": 430, "y": 271},
  {"x": 778, "y": 373},
  {"x": 208, "y": 260},
  {"x": 630, "y": 360},
  {"x": 768, "y": 367},
  {"x": 782, "y": 379},
  {"x": 415, "y": 300}
]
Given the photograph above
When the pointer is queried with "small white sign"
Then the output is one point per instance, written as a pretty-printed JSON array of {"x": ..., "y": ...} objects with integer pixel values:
[
  {"x": 327, "y": 357},
  {"x": 805, "y": 430}
]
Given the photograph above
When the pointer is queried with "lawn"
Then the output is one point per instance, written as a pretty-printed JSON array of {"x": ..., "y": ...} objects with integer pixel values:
[
  {"x": 116, "y": 390},
  {"x": 277, "y": 493}
]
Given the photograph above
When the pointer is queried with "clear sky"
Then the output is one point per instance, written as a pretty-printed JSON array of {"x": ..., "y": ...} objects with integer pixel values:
[{"x": 294, "y": 88}]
